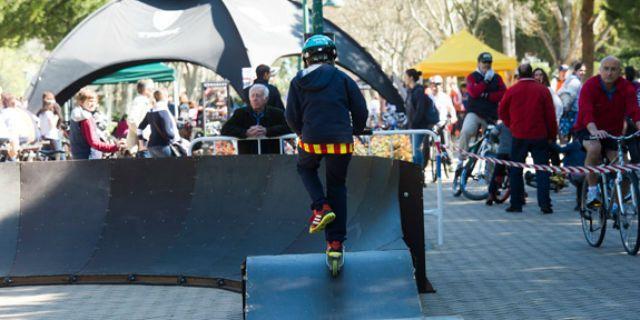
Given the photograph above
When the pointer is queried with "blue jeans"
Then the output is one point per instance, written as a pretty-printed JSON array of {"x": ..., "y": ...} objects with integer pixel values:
[
  {"x": 336, "y": 196},
  {"x": 420, "y": 144},
  {"x": 539, "y": 149},
  {"x": 160, "y": 152},
  {"x": 56, "y": 145}
]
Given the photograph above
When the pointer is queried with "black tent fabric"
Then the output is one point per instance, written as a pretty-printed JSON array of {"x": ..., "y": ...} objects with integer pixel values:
[{"x": 222, "y": 35}]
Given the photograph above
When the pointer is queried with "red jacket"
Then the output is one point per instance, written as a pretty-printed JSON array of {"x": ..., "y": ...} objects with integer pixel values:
[
  {"x": 608, "y": 114},
  {"x": 484, "y": 97},
  {"x": 90, "y": 134},
  {"x": 527, "y": 110}
]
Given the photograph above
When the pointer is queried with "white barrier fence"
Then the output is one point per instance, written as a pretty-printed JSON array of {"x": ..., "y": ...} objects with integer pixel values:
[{"x": 436, "y": 212}]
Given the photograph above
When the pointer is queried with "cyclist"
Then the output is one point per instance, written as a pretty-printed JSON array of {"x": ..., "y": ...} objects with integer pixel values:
[
  {"x": 605, "y": 100},
  {"x": 486, "y": 89}
]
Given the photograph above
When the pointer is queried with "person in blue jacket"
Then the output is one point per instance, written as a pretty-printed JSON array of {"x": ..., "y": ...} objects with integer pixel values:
[
  {"x": 325, "y": 108},
  {"x": 574, "y": 155}
]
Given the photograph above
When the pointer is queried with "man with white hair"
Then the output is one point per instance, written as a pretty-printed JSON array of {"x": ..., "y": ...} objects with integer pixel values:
[
  {"x": 259, "y": 120},
  {"x": 605, "y": 101}
]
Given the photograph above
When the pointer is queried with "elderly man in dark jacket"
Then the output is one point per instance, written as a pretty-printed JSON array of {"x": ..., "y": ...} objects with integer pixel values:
[
  {"x": 527, "y": 110},
  {"x": 257, "y": 121}
]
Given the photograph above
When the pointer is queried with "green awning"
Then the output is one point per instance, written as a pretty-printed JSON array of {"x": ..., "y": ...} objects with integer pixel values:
[{"x": 158, "y": 72}]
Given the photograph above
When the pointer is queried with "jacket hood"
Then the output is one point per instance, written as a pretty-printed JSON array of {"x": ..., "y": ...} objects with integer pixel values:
[
  {"x": 78, "y": 114},
  {"x": 316, "y": 79}
]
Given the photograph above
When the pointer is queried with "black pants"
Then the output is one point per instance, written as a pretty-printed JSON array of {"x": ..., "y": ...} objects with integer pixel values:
[
  {"x": 336, "y": 195},
  {"x": 539, "y": 149}
]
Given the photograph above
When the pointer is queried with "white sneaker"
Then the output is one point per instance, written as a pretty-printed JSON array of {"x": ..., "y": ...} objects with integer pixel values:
[{"x": 592, "y": 197}]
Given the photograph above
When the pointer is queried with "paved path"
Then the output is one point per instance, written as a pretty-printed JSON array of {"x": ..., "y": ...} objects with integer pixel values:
[
  {"x": 118, "y": 302},
  {"x": 493, "y": 265},
  {"x": 498, "y": 265}
]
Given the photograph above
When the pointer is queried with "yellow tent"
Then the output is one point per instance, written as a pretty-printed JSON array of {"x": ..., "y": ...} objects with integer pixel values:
[{"x": 458, "y": 56}]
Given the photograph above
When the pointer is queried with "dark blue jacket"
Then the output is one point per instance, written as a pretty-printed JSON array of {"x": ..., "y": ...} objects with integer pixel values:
[
  {"x": 162, "y": 130},
  {"x": 244, "y": 118},
  {"x": 325, "y": 106},
  {"x": 421, "y": 112},
  {"x": 574, "y": 155}
]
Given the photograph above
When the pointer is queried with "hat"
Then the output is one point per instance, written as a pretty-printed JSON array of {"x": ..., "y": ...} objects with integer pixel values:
[
  {"x": 437, "y": 79},
  {"x": 485, "y": 57},
  {"x": 563, "y": 67}
]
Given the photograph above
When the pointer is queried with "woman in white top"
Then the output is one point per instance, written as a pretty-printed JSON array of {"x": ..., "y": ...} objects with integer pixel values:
[
  {"x": 50, "y": 121},
  {"x": 541, "y": 76}
]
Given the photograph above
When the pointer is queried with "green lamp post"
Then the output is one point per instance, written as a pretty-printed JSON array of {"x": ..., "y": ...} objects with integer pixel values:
[{"x": 317, "y": 15}]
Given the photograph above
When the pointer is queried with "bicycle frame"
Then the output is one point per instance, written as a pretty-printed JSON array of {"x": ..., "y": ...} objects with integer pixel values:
[{"x": 619, "y": 159}]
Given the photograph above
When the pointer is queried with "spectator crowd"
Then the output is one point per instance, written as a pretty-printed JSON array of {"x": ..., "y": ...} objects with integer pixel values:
[{"x": 542, "y": 115}]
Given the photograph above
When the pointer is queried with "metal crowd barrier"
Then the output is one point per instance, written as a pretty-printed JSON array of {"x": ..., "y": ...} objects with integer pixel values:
[
  {"x": 234, "y": 141},
  {"x": 436, "y": 212}
]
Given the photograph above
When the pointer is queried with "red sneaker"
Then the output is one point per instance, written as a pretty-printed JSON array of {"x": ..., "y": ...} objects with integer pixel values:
[{"x": 321, "y": 218}]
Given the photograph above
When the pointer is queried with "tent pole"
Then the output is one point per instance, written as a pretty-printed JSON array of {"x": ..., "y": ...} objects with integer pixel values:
[{"x": 176, "y": 96}]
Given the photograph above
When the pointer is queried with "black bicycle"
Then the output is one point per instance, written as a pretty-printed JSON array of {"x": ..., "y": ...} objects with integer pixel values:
[{"x": 472, "y": 180}]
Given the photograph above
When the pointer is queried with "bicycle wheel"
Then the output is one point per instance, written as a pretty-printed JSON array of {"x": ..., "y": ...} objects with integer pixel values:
[
  {"x": 475, "y": 179},
  {"x": 628, "y": 214},
  {"x": 504, "y": 190},
  {"x": 432, "y": 158},
  {"x": 594, "y": 219}
]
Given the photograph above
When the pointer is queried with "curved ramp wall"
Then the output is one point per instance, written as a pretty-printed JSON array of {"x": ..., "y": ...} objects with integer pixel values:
[{"x": 188, "y": 220}]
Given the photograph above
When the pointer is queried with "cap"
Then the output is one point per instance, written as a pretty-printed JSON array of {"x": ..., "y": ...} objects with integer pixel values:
[
  {"x": 563, "y": 67},
  {"x": 437, "y": 79},
  {"x": 485, "y": 57}
]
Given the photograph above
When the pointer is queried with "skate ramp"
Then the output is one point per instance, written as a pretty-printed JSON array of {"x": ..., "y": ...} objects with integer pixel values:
[
  {"x": 189, "y": 221},
  {"x": 371, "y": 285}
]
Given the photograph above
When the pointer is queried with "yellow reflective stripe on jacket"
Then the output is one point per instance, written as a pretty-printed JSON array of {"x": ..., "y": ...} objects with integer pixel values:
[{"x": 326, "y": 148}]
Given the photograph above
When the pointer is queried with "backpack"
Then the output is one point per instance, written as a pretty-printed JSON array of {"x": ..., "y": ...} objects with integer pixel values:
[{"x": 432, "y": 115}]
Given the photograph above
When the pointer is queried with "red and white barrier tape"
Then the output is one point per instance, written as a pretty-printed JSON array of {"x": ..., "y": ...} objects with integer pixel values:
[{"x": 554, "y": 169}]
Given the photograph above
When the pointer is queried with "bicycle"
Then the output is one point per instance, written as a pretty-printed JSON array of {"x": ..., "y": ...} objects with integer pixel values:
[
  {"x": 614, "y": 203},
  {"x": 503, "y": 190},
  {"x": 557, "y": 181},
  {"x": 472, "y": 180},
  {"x": 444, "y": 157}
]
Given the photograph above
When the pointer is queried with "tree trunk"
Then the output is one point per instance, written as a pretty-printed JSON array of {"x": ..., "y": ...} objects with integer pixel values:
[
  {"x": 562, "y": 14},
  {"x": 588, "y": 45},
  {"x": 509, "y": 30}
]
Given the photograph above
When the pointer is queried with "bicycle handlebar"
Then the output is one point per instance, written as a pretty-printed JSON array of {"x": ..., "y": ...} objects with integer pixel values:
[{"x": 623, "y": 138}]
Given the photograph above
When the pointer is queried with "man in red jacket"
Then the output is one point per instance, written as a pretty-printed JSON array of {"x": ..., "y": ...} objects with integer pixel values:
[
  {"x": 527, "y": 110},
  {"x": 605, "y": 100}
]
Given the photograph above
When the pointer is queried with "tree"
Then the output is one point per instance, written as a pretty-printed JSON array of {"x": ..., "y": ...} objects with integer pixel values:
[
  {"x": 47, "y": 20},
  {"x": 472, "y": 14},
  {"x": 624, "y": 15},
  {"x": 387, "y": 31},
  {"x": 588, "y": 44}
]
